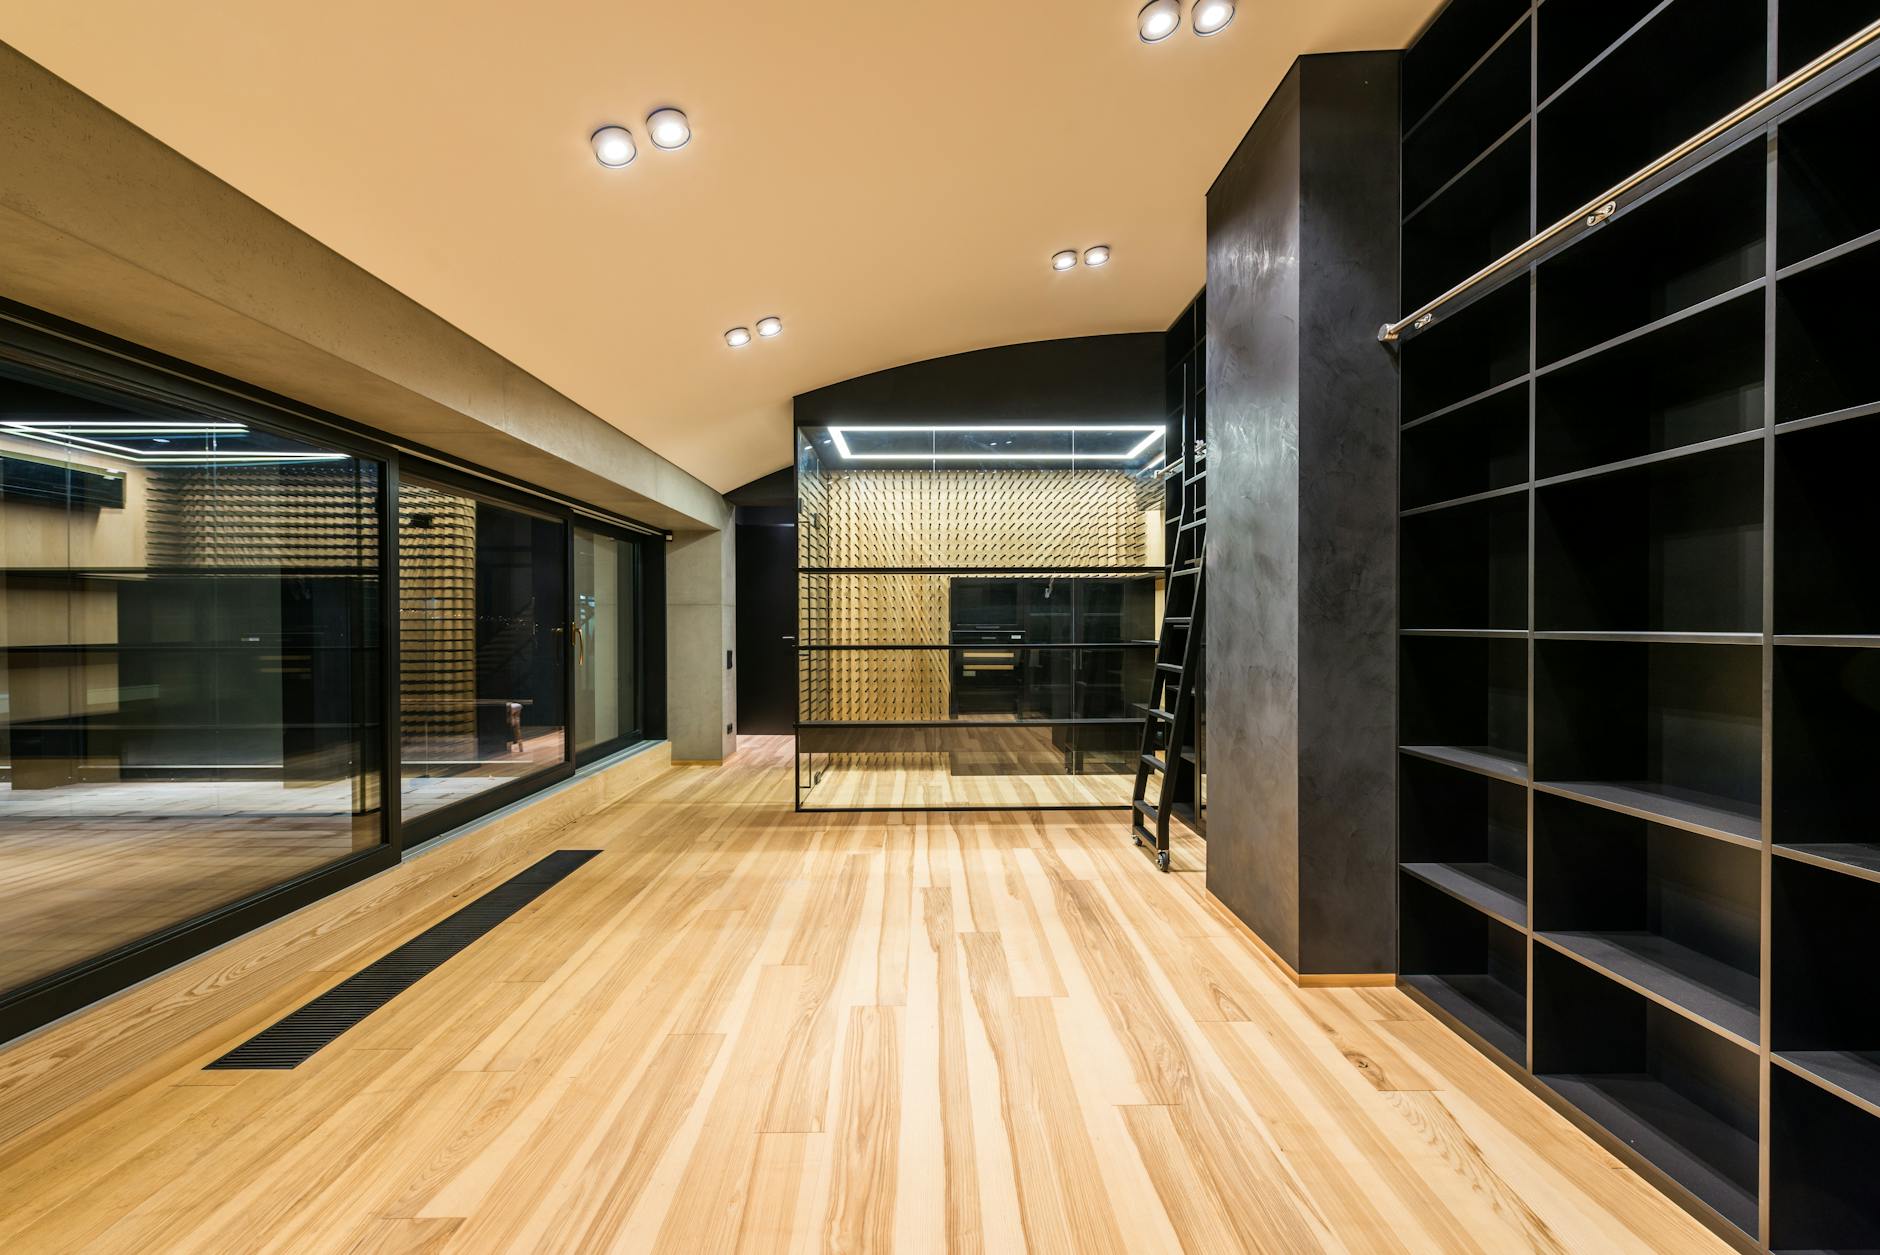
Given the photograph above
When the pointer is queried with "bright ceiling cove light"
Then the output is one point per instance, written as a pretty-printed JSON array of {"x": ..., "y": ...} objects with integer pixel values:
[
  {"x": 1212, "y": 16},
  {"x": 1097, "y": 256},
  {"x": 1151, "y": 435},
  {"x": 614, "y": 146},
  {"x": 768, "y": 327},
  {"x": 1064, "y": 260},
  {"x": 669, "y": 129},
  {"x": 1158, "y": 20},
  {"x": 738, "y": 337}
]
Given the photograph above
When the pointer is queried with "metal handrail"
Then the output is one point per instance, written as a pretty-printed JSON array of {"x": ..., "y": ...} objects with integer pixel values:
[{"x": 1606, "y": 204}]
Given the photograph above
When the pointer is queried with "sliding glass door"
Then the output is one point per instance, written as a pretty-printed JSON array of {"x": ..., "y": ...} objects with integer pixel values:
[{"x": 606, "y": 643}]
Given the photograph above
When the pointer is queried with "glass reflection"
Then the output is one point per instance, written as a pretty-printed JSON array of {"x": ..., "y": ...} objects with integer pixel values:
[
  {"x": 605, "y": 701},
  {"x": 189, "y": 668},
  {"x": 481, "y": 591}
]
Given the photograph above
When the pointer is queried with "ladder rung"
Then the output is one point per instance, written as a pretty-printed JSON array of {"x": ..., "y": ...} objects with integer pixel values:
[
  {"x": 1164, "y": 715},
  {"x": 1196, "y": 478},
  {"x": 1187, "y": 570},
  {"x": 1180, "y": 623},
  {"x": 1155, "y": 762},
  {"x": 1189, "y": 526},
  {"x": 1146, "y": 808},
  {"x": 1168, "y": 666}
]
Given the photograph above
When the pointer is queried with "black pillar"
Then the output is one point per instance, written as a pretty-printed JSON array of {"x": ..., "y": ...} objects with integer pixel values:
[{"x": 1302, "y": 544}]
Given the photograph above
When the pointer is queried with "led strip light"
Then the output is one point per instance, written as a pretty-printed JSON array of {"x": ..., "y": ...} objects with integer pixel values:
[{"x": 1150, "y": 434}]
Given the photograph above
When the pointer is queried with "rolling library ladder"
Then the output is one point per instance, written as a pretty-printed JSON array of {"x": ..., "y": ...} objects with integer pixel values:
[{"x": 1170, "y": 740}]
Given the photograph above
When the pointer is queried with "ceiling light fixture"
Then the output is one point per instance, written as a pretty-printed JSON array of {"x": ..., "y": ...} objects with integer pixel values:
[
  {"x": 1212, "y": 16},
  {"x": 1064, "y": 260},
  {"x": 1158, "y": 20},
  {"x": 1151, "y": 435},
  {"x": 668, "y": 129},
  {"x": 614, "y": 146},
  {"x": 738, "y": 337},
  {"x": 768, "y": 327},
  {"x": 1097, "y": 256}
]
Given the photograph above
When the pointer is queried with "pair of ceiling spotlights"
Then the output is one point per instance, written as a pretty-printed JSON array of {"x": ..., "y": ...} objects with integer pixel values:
[
  {"x": 738, "y": 337},
  {"x": 1099, "y": 255},
  {"x": 614, "y": 146},
  {"x": 1160, "y": 18}
]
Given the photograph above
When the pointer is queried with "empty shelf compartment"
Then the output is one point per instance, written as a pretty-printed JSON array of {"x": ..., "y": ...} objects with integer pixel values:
[
  {"x": 1634, "y": 105},
  {"x": 1824, "y": 987},
  {"x": 1672, "y": 546},
  {"x": 1572, "y": 36},
  {"x": 1671, "y": 732},
  {"x": 1811, "y": 27},
  {"x": 1458, "y": 39},
  {"x": 1470, "y": 223},
  {"x": 1694, "y": 240},
  {"x": 1825, "y": 742},
  {"x": 1674, "y": 914},
  {"x": 1469, "y": 963},
  {"x": 1829, "y": 515},
  {"x": 1824, "y": 358},
  {"x": 1476, "y": 449},
  {"x": 1469, "y": 822},
  {"x": 1824, "y": 1161},
  {"x": 1466, "y": 566},
  {"x": 1689, "y": 381},
  {"x": 1479, "y": 347},
  {"x": 1467, "y": 695},
  {"x": 1827, "y": 185},
  {"x": 1481, "y": 109},
  {"x": 1680, "y": 1096}
]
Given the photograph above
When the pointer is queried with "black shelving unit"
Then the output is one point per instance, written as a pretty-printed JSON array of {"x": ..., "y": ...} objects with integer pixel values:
[{"x": 1639, "y": 703}]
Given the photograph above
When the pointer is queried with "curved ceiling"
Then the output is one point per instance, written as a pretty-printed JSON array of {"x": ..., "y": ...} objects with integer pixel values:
[{"x": 889, "y": 178}]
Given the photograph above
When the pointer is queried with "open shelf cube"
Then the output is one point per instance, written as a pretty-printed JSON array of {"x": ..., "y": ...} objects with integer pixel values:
[
  {"x": 1468, "y": 353},
  {"x": 1670, "y": 732},
  {"x": 1682, "y": 1097},
  {"x": 1825, "y": 744},
  {"x": 1672, "y": 546},
  {"x": 1811, "y": 27},
  {"x": 1697, "y": 239},
  {"x": 1460, "y": 36},
  {"x": 1695, "y": 379},
  {"x": 1826, "y": 509},
  {"x": 1675, "y": 915},
  {"x": 1824, "y": 359},
  {"x": 1824, "y": 1160},
  {"x": 1476, "y": 449},
  {"x": 1692, "y": 63},
  {"x": 1486, "y": 105},
  {"x": 1475, "y": 220},
  {"x": 1825, "y": 1006},
  {"x": 1466, "y": 834},
  {"x": 1468, "y": 963},
  {"x": 1572, "y": 36},
  {"x": 1827, "y": 187},
  {"x": 1466, "y": 566},
  {"x": 1469, "y": 695}
]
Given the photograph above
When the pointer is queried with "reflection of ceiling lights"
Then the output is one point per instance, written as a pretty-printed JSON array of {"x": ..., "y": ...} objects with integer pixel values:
[
  {"x": 1151, "y": 434},
  {"x": 1211, "y": 16},
  {"x": 738, "y": 337},
  {"x": 88, "y": 437},
  {"x": 614, "y": 146},
  {"x": 1158, "y": 20},
  {"x": 668, "y": 129}
]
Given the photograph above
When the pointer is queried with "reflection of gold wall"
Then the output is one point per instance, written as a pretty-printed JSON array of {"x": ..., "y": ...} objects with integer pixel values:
[
  {"x": 888, "y": 518},
  {"x": 40, "y": 608},
  {"x": 437, "y": 628}
]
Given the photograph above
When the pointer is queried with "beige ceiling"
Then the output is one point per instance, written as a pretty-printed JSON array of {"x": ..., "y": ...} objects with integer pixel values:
[{"x": 889, "y": 178}]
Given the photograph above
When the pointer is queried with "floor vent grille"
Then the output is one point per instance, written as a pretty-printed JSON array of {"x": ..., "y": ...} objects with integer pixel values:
[{"x": 292, "y": 1040}]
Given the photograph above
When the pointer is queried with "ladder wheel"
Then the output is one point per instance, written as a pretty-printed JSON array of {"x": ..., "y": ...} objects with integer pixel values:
[
  {"x": 1161, "y": 859},
  {"x": 1136, "y": 837}
]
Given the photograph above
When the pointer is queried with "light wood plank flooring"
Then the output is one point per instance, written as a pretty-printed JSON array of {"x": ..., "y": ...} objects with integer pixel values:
[{"x": 741, "y": 1029}]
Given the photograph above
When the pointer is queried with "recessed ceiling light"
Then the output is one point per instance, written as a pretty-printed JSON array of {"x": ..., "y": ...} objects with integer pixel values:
[
  {"x": 1097, "y": 256},
  {"x": 613, "y": 146},
  {"x": 1064, "y": 260},
  {"x": 768, "y": 327},
  {"x": 668, "y": 129},
  {"x": 738, "y": 337},
  {"x": 1212, "y": 15},
  {"x": 1158, "y": 20}
]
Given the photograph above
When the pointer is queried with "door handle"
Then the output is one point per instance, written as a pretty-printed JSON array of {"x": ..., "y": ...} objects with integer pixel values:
[{"x": 789, "y": 638}]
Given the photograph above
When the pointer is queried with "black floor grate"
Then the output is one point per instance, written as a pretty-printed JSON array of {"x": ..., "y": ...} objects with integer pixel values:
[{"x": 292, "y": 1040}]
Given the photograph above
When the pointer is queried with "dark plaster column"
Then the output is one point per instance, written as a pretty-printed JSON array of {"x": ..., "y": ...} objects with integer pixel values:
[{"x": 1302, "y": 543}]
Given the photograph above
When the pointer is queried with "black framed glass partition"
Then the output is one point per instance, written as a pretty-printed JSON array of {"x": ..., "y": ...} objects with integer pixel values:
[
  {"x": 200, "y": 590},
  {"x": 607, "y": 646},
  {"x": 190, "y": 702},
  {"x": 482, "y": 650},
  {"x": 977, "y": 612}
]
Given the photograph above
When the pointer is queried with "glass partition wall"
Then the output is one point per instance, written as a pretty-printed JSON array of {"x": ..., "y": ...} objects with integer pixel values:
[
  {"x": 196, "y": 598},
  {"x": 977, "y": 613}
]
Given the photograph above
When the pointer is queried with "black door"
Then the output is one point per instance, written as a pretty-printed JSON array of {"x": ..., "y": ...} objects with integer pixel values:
[{"x": 766, "y": 628}]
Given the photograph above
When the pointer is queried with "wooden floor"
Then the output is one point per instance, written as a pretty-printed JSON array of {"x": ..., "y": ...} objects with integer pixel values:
[{"x": 743, "y": 1029}]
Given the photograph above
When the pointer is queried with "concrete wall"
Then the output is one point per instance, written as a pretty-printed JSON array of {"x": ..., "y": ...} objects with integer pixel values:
[
  {"x": 701, "y": 627},
  {"x": 1302, "y": 554},
  {"x": 103, "y": 225}
]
